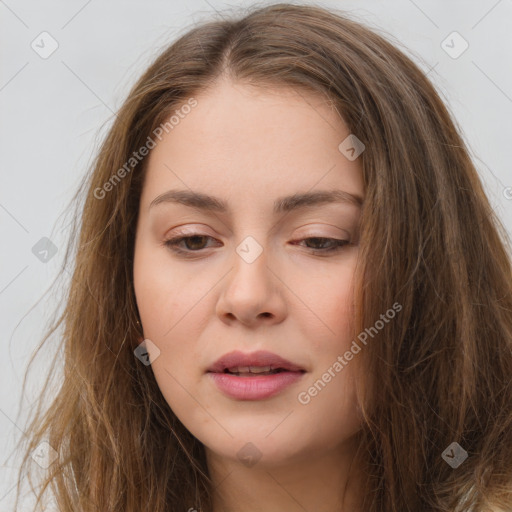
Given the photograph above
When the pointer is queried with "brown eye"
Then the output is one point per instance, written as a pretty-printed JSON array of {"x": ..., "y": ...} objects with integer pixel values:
[
  {"x": 334, "y": 244},
  {"x": 193, "y": 243}
]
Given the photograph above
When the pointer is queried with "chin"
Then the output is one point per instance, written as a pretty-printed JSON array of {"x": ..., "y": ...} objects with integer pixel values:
[{"x": 257, "y": 453}]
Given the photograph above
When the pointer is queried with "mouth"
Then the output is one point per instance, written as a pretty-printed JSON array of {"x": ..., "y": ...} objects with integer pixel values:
[
  {"x": 254, "y": 376},
  {"x": 255, "y": 371},
  {"x": 256, "y": 363}
]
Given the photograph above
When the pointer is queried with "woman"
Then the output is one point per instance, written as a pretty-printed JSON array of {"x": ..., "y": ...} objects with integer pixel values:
[{"x": 341, "y": 340}]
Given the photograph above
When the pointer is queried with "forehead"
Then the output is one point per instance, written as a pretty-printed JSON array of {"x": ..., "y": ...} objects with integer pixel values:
[{"x": 248, "y": 144}]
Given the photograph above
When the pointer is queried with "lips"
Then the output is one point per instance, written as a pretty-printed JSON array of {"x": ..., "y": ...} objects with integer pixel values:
[
  {"x": 257, "y": 363},
  {"x": 257, "y": 376}
]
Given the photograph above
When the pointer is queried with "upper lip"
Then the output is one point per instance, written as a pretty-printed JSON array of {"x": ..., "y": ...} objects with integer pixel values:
[{"x": 260, "y": 358}]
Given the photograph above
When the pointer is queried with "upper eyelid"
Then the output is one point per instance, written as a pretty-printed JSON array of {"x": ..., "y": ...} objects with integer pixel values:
[
  {"x": 178, "y": 238},
  {"x": 312, "y": 225},
  {"x": 192, "y": 234}
]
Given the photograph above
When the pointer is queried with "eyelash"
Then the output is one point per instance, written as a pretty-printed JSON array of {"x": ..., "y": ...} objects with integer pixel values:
[{"x": 172, "y": 244}]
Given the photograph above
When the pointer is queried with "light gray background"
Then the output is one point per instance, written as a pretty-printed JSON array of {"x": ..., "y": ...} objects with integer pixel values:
[{"x": 54, "y": 112}]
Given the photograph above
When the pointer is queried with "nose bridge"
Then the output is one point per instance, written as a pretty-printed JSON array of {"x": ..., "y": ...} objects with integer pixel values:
[
  {"x": 250, "y": 271},
  {"x": 251, "y": 289}
]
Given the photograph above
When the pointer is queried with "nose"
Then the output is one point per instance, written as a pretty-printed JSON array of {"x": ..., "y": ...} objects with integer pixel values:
[{"x": 252, "y": 293}]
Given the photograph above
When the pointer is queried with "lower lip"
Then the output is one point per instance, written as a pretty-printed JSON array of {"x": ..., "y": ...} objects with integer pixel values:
[{"x": 254, "y": 388}]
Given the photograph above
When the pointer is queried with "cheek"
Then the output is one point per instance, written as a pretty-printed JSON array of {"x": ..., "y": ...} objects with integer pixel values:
[
  {"x": 329, "y": 298},
  {"x": 329, "y": 393},
  {"x": 172, "y": 315},
  {"x": 162, "y": 292},
  {"x": 167, "y": 313},
  {"x": 333, "y": 412}
]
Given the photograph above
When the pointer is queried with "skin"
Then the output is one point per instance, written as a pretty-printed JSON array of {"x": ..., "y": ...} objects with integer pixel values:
[{"x": 250, "y": 146}]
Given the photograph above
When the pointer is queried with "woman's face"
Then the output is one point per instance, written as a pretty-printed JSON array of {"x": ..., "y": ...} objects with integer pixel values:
[{"x": 263, "y": 274}]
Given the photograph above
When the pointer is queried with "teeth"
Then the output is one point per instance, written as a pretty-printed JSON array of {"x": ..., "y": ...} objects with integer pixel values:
[
  {"x": 250, "y": 369},
  {"x": 258, "y": 369}
]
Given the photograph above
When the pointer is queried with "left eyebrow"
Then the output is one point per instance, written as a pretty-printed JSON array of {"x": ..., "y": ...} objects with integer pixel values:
[{"x": 300, "y": 200}]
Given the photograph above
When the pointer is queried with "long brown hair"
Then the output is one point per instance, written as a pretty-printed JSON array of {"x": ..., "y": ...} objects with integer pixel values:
[{"x": 440, "y": 372}]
